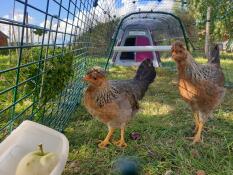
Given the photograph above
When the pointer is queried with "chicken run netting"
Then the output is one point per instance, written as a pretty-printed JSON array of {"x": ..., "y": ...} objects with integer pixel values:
[{"x": 48, "y": 45}]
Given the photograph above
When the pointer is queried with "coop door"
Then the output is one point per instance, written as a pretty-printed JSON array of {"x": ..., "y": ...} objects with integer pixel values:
[
  {"x": 143, "y": 41},
  {"x": 128, "y": 55}
]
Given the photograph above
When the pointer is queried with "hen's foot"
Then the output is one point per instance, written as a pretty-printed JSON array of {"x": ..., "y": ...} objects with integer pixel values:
[
  {"x": 195, "y": 139},
  {"x": 120, "y": 143},
  {"x": 195, "y": 129},
  {"x": 103, "y": 144}
]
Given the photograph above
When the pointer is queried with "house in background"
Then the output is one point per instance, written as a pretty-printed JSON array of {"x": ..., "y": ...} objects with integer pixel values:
[{"x": 3, "y": 39}]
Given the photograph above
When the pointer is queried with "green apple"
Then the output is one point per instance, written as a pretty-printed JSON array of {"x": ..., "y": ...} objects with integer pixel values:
[{"x": 37, "y": 163}]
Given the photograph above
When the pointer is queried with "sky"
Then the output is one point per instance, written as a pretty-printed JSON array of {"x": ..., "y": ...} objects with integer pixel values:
[{"x": 120, "y": 8}]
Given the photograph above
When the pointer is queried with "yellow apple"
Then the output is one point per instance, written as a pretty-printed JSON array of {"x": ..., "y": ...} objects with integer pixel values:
[{"x": 37, "y": 163}]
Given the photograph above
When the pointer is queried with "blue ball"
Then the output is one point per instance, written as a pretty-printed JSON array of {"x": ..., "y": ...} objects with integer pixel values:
[{"x": 127, "y": 166}]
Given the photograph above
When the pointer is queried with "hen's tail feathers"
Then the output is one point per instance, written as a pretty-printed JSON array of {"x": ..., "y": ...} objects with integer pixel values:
[
  {"x": 215, "y": 56},
  {"x": 145, "y": 75},
  {"x": 146, "y": 72}
]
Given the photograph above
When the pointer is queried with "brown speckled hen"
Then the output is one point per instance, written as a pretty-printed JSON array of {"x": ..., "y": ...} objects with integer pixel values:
[
  {"x": 200, "y": 85},
  {"x": 115, "y": 102}
]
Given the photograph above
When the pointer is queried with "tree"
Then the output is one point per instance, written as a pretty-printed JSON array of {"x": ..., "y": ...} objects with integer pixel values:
[
  {"x": 39, "y": 33},
  {"x": 189, "y": 22},
  {"x": 221, "y": 27}
]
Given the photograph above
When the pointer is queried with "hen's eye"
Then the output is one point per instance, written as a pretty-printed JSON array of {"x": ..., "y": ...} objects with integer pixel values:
[{"x": 94, "y": 78}]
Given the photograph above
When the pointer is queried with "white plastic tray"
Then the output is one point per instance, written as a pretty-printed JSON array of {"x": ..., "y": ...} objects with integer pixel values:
[{"x": 24, "y": 139}]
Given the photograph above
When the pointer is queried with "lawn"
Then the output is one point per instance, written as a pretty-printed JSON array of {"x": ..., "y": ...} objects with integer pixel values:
[{"x": 163, "y": 121}]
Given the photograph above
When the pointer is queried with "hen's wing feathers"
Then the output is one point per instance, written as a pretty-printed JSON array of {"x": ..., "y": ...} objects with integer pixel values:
[
  {"x": 131, "y": 86},
  {"x": 213, "y": 73},
  {"x": 129, "y": 89},
  {"x": 132, "y": 100},
  {"x": 205, "y": 72}
]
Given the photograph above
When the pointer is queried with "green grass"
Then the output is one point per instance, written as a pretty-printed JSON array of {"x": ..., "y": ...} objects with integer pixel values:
[{"x": 164, "y": 120}]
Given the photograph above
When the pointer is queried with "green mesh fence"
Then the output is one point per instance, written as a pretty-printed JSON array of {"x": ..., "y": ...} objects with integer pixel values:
[
  {"x": 42, "y": 64},
  {"x": 48, "y": 47}
]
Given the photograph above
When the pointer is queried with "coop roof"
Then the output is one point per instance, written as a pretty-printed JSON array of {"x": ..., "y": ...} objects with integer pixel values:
[{"x": 162, "y": 24}]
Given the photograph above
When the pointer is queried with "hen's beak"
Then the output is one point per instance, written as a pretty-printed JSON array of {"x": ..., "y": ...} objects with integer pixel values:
[
  {"x": 85, "y": 81},
  {"x": 173, "y": 53},
  {"x": 84, "y": 78}
]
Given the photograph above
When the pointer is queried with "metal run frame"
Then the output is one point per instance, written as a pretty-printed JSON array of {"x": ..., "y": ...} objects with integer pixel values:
[{"x": 33, "y": 86}]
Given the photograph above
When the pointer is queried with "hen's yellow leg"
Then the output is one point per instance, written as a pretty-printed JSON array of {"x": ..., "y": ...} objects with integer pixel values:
[
  {"x": 121, "y": 142},
  {"x": 197, "y": 137},
  {"x": 196, "y": 118},
  {"x": 105, "y": 142}
]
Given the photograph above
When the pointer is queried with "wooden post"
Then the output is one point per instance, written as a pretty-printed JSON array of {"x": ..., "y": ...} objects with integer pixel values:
[
  {"x": 207, "y": 35},
  {"x": 9, "y": 41},
  {"x": 32, "y": 36},
  {"x": 14, "y": 40},
  {"x": 27, "y": 35},
  {"x": 19, "y": 36}
]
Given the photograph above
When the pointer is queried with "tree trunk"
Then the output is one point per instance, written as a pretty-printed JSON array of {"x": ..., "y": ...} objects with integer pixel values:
[
  {"x": 9, "y": 42},
  {"x": 27, "y": 34},
  {"x": 32, "y": 36}
]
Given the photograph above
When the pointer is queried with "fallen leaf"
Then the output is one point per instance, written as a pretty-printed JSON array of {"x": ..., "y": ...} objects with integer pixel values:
[{"x": 135, "y": 135}]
